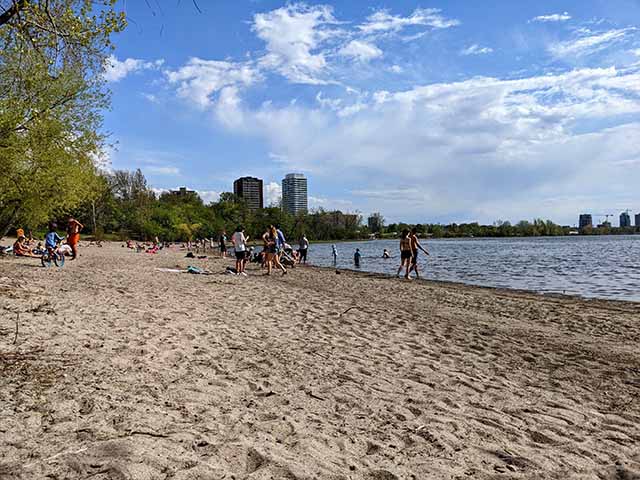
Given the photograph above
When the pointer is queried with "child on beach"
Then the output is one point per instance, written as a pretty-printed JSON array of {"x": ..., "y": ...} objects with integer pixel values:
[
  {"x": 74, "y": 227},
  {"x": 356, "y": 258},
  {"x": 52, "y": 238}
]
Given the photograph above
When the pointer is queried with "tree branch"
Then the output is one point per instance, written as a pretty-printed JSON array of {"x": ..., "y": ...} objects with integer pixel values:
[{"x": 12, "y": 11}]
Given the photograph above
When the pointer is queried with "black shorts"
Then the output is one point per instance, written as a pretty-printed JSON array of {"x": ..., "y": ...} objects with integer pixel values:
[
  {"x": 303, "y": 253},
  {"x": 270, "y": 249},
  {"x": 241, "y": 255},
  {"x": 414, "y": 258},
  {"x": 405, "y": 254},
  {"x": 223, "y": 248}
]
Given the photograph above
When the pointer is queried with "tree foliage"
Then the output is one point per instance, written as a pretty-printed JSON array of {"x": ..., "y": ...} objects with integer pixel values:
[{"x": 52, "y": 54}]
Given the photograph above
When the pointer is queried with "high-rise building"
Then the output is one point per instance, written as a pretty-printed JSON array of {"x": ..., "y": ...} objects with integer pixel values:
[
  {"x": 585, "y": 221},
  {"x": 250, "y": 190},
  {"x": 375, "y": 222},
  {"x": 637, "y": 219},
  {"x": 294, "y": 193},
  {"x": 625, "y": 220}
]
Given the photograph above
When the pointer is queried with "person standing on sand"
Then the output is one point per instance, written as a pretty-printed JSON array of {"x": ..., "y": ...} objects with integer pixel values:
[
  {"x": 223, "y": 244},
  {"x": 74, "y": 227},
  {"x": 270, "y": 247},
  {"x": 304, "y": 247},
  {"x": 240, "y": 248},
  {"x": 405, "y": 253},
  {"x": 415, "y": 247}
]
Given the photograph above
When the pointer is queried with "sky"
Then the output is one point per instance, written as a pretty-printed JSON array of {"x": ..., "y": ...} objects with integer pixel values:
[{"x": 427, "y": 112}]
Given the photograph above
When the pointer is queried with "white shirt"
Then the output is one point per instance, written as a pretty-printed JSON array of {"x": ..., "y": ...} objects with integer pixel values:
[{"x": 239, "y": 241}]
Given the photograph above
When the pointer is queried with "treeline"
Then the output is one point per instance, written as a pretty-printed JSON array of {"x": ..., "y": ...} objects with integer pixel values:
[{"x": 125, "y": 207}]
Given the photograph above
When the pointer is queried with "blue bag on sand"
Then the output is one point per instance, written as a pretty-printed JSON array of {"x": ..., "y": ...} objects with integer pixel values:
[{"x": 192, "y": 269}]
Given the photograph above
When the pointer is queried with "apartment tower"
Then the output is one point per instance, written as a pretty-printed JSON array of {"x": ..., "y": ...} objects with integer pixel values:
[
  {"x": 294, "y": 193},
  {"x": 250, "y": 190}
]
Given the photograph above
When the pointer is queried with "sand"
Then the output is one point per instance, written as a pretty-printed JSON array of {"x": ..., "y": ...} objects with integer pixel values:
[{"x": 121, "y": 371}]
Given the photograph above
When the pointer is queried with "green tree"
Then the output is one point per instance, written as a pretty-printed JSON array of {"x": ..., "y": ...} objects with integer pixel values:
[{"x": 52, "y": 54}]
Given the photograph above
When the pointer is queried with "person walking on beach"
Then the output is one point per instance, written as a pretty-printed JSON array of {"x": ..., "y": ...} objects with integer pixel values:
[
  {"x": 415, "y": 248},
  {"x": 223, "y": 244},
  {"x": 304, "y": 247},
  {"x": 356, "y": 258},
  {"x": 270, "y": 247},
  {"x": 74, "y": 227},
  {"x": 334, "y": 252},
  {"x": 405, "y": 253},
  {"x": 240, "y": 248}
]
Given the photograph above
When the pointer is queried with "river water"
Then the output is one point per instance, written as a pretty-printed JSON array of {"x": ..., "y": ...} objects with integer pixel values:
[{"x": 593, "y": 267}]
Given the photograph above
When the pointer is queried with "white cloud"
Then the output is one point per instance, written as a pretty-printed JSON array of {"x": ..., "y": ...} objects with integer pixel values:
[
  {"x": 293, "y": 36},
  {"x": 162, "y": 170},
  {"x": 396, "y": 69},
  {"x": 361, "y": 51},
  {"x": 383, "y": 21},
  {"x": 115, "y": 70},
  {"x": 273, "y": 193},
  {"x": 199, "y": 79},
  {"x": 555, "y": 17},
  {"x": 208, "y": 196},
  {"x": 588, "y": 43},
  {"x": 464, "y": 146},
  {"x": 476, "y": 49}
]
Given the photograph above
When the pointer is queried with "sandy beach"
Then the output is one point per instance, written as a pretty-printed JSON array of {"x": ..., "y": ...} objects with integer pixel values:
[{"x": 122, "y": 371}]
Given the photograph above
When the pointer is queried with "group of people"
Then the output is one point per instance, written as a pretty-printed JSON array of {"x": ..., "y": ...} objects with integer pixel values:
[
  {"x": 276, "y": 252},
  {"x": 410, "y": 247},
  {"x": 29, "y": 247}
]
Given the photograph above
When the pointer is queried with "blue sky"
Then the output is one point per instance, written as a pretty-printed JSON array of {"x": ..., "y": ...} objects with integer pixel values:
[{"x": 425, "y": 111}]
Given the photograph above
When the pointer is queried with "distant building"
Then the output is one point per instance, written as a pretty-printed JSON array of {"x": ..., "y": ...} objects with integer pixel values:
[
  {"x": 183, "y": 192},
  {"x": 294, "y": 193},
  {"x": 585, "y": 221},
  {"x": 250, "y": 190},
  {"x": 625, "y": 220},
  {"x": 637, "y": 219}
]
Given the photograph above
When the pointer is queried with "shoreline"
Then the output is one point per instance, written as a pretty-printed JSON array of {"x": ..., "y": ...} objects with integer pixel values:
[
  {"x": 497, "y": 290},
  {"x": 123, "y": 371}
]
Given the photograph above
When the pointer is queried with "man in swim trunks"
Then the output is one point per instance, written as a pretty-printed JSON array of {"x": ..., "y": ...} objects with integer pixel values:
[
  {"x": 415, "y": 247},
  {"x": 74, "y": 227}
]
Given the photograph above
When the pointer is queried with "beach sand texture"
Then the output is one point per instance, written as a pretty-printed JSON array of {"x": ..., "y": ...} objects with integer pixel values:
[{"x": 120, "y": 371}]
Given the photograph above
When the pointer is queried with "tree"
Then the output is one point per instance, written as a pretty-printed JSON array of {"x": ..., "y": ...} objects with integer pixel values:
[{"x": 52, "y": 54}]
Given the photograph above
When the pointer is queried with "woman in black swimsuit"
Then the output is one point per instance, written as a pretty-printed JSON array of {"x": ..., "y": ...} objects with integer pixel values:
[
  {"x": 270, "y": 237},
  {"x": 405, "y": 253}
]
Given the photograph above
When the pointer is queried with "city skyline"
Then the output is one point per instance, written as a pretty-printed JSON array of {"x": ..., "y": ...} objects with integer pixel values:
[{"x": 449, "y": 113}]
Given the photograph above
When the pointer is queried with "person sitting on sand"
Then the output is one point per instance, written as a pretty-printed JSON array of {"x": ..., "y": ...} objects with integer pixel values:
[
  {"x": 385, "y": 254},
  {"x": 21, "y": 249},
  {"x": 74, "y": 227},
  {"x": 405, "y": 253},
  {"x": 415, "y": 247}
]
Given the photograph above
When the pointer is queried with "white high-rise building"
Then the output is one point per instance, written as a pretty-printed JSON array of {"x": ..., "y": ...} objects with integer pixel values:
[{"x": 294, "y": 193}]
